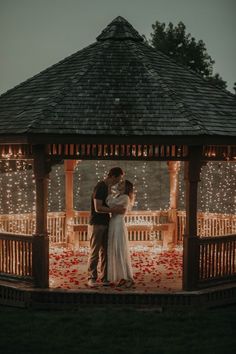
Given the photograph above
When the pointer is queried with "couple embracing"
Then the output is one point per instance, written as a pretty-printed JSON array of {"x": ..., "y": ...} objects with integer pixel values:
[{"x": 111, "y": 198}]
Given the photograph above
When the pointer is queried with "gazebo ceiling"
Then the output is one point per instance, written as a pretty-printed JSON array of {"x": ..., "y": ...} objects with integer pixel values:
[{"x": 118, "y": 87}]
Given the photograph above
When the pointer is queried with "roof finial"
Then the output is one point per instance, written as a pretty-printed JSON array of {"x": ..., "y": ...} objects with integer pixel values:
[{"x": 120, "y": 29}]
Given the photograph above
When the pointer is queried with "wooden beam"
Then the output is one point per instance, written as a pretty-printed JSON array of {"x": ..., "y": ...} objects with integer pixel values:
[
  {"x": 173, "y": 169},
  {"x": 190, "y": 244},
  {"x": 41, "y": 242},
  {"x": 69, "y": 166},
  {"x": 131, "y": 139}
]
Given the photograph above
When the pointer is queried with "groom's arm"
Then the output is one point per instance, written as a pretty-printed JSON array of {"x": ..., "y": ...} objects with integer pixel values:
[{"x": 100, "y": 208}]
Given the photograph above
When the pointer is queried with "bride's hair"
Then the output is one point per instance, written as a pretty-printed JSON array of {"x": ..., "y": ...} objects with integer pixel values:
[{"x": 129, "y": 190}]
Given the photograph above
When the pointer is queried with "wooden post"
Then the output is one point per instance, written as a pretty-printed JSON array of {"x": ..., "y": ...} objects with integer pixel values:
[
  {"x": 190, "y": 245},
  {"x": 69, "y": 166},
  {"x": 173, "y": 168},
  {"x": 41, "y": 242}
]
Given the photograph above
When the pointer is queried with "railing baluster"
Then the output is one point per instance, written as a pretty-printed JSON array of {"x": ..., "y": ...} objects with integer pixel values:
[
  {"x": 217, "y": 259},
  {"x": 16, "y": 255}
]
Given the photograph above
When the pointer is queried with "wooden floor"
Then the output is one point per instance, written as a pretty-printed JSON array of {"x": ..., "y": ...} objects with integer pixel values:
[
  {"x": 158, "y": 283},
  {"x": 155, "y": 270}
]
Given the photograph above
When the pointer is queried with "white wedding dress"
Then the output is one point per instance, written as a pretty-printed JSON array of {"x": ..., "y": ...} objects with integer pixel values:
[{"x": 119, "y": 262}]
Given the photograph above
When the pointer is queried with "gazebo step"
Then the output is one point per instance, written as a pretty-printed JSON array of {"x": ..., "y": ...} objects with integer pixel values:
[{"x": 18, "y": 296}]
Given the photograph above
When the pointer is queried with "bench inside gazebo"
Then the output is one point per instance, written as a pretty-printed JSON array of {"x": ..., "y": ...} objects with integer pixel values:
[{"x": 119, "y": 99}]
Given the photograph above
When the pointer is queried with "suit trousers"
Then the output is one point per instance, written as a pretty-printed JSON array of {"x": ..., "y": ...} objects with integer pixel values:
[{"x": 98, "y": 244}]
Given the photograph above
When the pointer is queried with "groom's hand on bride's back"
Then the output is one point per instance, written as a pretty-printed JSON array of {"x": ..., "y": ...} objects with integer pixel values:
[{"x": 119, "y": 209}]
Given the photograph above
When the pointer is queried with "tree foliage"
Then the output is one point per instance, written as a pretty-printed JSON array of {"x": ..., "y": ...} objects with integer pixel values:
[
  {"x": 182, "y": 47},
  {"x": 217, "y": 81}
]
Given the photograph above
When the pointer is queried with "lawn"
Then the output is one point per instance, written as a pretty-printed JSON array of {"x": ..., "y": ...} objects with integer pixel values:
[{"x": 113, "y": 330}]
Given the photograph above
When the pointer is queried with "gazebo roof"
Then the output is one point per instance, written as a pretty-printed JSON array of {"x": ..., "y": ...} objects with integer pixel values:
[{"x": 117, "y": 87}]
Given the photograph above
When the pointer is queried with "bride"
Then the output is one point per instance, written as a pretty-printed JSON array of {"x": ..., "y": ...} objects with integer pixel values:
[{"x": 119, "y": 262}]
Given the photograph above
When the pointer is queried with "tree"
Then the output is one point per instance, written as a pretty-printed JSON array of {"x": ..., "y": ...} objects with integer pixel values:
[
  {"x": 181, "y": 46},
  {"x": 217, "y": 81}
]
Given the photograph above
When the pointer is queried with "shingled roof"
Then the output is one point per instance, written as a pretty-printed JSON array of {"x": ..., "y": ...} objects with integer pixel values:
[{"x": 117, "y": 87}]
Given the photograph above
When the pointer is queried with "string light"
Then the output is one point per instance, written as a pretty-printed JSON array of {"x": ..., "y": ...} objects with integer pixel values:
[
  {"x": 49, "y": 194},
  {"x": 181, "y": 186},
  {"x": 217, "y": 189},
  {"x": 56, "y": 187},
  {"x": 9, "y": 177},
  {"x": 59, "y": 172},
  {"x": 145, "y": 186},
  {"x": 77, "y": 184},
  {"x": 97, "y": 170},
  {"x": 135, "y": 188},
  {"x": 101, "y": 170},
  {"x": 18, "y": 188},
  {"x": 105, "y": 171}
]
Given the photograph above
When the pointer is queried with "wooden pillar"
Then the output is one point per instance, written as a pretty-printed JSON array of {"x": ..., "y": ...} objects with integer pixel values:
[
  {"x": 69, "y": 166},
  {"x": 190, "y": 245},
  {"x": 41, "y": 242},
  {"x": 173, "y": 168}
]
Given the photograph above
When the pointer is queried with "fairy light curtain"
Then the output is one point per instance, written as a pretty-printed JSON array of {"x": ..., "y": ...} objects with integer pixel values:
[
  {"x": 17, "y": 188},
  {"x": 217, "y": 188},
  {"x": 56, "y": 188}
]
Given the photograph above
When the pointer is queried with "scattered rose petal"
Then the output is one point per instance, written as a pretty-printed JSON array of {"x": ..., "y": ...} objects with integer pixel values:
[{"x": 152, "y": 270}]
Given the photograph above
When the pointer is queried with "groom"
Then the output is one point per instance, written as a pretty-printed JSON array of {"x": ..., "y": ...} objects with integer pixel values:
[{"x": 99, "y": 221}]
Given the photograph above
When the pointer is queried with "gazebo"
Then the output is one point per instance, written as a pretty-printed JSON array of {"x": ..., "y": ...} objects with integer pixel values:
[{"x": 118, "y": 99}]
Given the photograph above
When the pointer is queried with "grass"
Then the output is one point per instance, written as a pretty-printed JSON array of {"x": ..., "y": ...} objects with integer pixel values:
[{"x": 111, "y": 330}]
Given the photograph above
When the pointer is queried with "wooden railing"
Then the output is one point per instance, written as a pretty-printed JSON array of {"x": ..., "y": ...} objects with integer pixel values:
[
  {"x": 134, "y": 217},
  {"x": 209, "y": 224},
  {"x": 142, "y": 226},
  {"x": 16, "y": 255},
  {"x": 216, "y": 254},
  {"x": 25, "y": 224},
  {"x": 151, "y": 235},
  {"x": 217, "y": 259},
  {"x": 56, "y": 227},
  {"x": 18, "y": 223}
]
